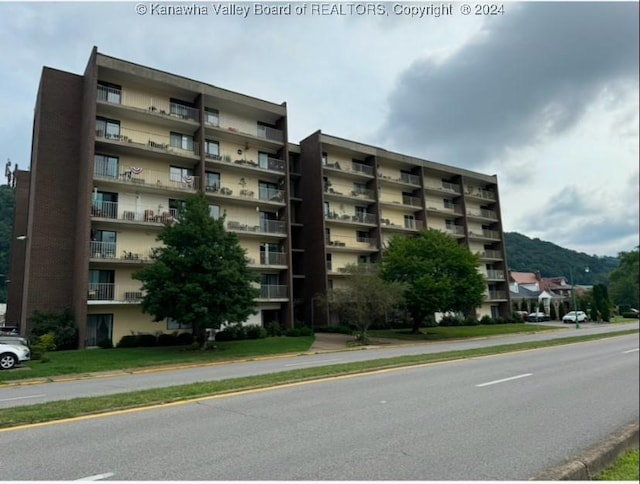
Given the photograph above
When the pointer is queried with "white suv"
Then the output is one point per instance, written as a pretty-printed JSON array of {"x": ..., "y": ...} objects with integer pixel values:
[
  {"x": 570, "y": 317},
  {"x": 12, "y": 355}
]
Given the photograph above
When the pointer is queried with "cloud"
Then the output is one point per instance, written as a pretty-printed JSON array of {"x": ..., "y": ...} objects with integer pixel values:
[{"x": 528, "y": 75}]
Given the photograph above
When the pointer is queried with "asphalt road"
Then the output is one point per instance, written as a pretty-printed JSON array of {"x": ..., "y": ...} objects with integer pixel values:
[
  {"x": 504, "y": 417},
  {"x": 11, "y": 396}
]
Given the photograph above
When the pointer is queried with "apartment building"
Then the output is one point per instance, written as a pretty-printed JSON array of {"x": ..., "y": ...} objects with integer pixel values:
[
  {"x": 117, "y": 149},
  {"x": 361, "y": 196}
]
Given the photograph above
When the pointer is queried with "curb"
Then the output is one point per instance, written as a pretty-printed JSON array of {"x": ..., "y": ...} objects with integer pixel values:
[{"x": 595, "y": 459}]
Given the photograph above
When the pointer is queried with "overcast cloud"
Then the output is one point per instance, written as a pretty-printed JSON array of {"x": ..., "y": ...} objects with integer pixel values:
[{"x": 545, "y": 96}]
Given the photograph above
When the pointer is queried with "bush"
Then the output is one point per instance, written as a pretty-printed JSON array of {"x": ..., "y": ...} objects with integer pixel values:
[
  {"x": 60, "y": 323},
  {"x": 451, "y": 321},
  {"x": 301, "y": 331},
  {"x": 471, "y": 321},
  {"x": 273, "y": 328},
  {"x": 517, "y": 318},
  {"x": 105, "y": 344},
  {"x": 231, "y": 333},
  {"x": 255, "y": 331},
  {"x": 486, "y": 319},
  {"x": 184, "y": 339},
  {"x": 147, "y": 340},
  {"x": 128, "y": 341},
  {"x": 46, "y": 342},
  {"x": 37, "y": 352},
  {"x": 167, "y": 339}
]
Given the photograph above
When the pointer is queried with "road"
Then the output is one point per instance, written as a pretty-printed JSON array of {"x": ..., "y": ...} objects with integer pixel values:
[
  {"x": 504, "y": 417},
  {"x": 11, "y": 396}
]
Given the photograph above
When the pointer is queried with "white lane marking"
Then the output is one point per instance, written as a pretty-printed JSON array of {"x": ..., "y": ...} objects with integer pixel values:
[
  {"x": 504, "y": 380},
  {"x": 631, "y": 351},
  {"x": 20, "y": 398},
  {"x": 313, "y": 362},
  {"x": 96, "y": 477}
]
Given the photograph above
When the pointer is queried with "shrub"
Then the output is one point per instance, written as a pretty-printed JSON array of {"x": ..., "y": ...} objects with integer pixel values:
[
  {"x": 60, "y": 323},
  {"x": 486, "y": 319},
  {"x": 552, "y": 313},
  {"x": 471, "y": 321},
  {"x": 501, "y": 320},
  {"x": 451, "y": 321},
  {"x": 231, "y": 333},
  {"x": 105, "y": 344},
  {"x": 147, "y": 340},
  {"x": 168, "y": 339},
  {"x": 128, "y": 341},
  {"x": 301, "y": 331},
  {"x": 47, "y": 342},
  {"x": 184, "y": 339},
  {"x": 273, "y": 328},
  {"x": 37, "y": 352},
  {"x": 517, "y": 318},
  {"x": 255, "y": 331}
]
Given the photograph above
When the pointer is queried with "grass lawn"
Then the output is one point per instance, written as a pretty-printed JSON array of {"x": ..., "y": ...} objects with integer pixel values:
[
  {"x": 440, "y": 333},
  {"x": 96, "y": 360},
  {"x": 624, "y": 469}
]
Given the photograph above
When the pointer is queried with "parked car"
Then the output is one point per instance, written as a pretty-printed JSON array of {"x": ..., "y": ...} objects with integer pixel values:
[
  {"x": 523, "y": 314},
  {"x": 570, "y": 317},
  {"x": 537, "y": 317},
  {"x": 12, "y": 355},
  {"x": 13, "y": 340}
]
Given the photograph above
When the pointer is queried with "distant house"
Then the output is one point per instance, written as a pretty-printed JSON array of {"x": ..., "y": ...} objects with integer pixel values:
[{"x": 536, "y": 291}]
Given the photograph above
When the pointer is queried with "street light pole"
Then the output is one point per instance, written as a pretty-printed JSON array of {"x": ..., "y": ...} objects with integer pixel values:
[{"x": 573, "y": 295}]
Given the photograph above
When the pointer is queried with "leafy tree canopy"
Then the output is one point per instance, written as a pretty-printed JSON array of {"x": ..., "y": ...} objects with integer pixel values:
[
  {"x": 200, "y": 276},
  {"x": 438, "y": 274},
  {"x": 624, "y": 288},
  {"x": 364, "y": 297}
]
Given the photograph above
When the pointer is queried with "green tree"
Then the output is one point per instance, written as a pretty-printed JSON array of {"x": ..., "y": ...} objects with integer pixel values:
[
  {"x": 601, "y": 302},
  {"x": 364, "y": 298},
  {"x": 623, "y": 282},
  {"x": 438, "y": 274},
  {"x": 200, "y": 276}
]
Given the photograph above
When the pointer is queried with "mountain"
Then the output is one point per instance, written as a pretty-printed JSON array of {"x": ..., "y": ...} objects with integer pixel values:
[{"x": 535, "y": 255}]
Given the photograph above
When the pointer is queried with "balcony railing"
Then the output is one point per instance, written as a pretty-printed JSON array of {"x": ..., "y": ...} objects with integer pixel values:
[
  {"x": 493, "y": 295},
  {"x": 138, "y": 176},
  {"x": 271, "y": 195},
  {"x": 409, "y": 178},
  {"x": 98, "y": 291},
  {"x": 350, "y": 242},
  {"x": 445, "y": 187},
  {"x": 361, "y": 168},
  {"x": 269, "y": 164},
  {"x": 481, "y": 193},
  {"x": 273, "y": 134},
  {"x": 485, "y": 233},
  {"x": 273, "y": 258},
  {"x": 483, "y": 213},
  {"x": 495, "y": 274},
  {"x": 155, "y": 105},
  {"x": 455, "y": 229},
  {"x": 363, "y": 193},
  {"x": 491, "y": 254},
  {"x": 268, "y": 291},
  {"x": 365, "y": 218},
  {"x": 143, "y": 139},
  {"x": 406, "y": 224},
  {"x": 130, "y": 212},
  {"x": 413, "y": 201},
  {"x": 264, "y": 226},
  {"x": 108, "y": 250}
]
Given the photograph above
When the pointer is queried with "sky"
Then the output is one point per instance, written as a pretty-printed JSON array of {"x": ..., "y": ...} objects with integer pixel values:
[{"x": 545, "y": 95}]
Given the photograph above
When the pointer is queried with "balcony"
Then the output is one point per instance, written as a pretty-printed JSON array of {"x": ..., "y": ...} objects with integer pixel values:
[
  {"x": 455, "y": 230},
  {"x": 113, "y": 293},
  {"x": 273, "y": 258},
  {"x": 411, "y": 201},
  {"x": 149, "y": 178},
  {"x": 264, "y": 227},
  {"x": 268, "y": 292},
  {"x": 408, "y": 224},
  {"x": 495, "y": 274},
  {"x": 484, "y": 234},
  {"x": 446, "y": 187},
  {"x": 134, "y": 138},
  {"x": 363, "y": 218},
  {"x": 477, "y": 192},
  {"x": 491, "y": 254},
  {"x": 107, "y": 251},
  {"x": 497, "y": 295},
  {"x": 351, "y": 243},
  {"x": 269, "y": 164},
  {"x": 152, "y": 105},
  {"x": 446, "y": 209},
  {"x": 131, "y": 213},
  {"x": 354, "y": 168},
  {"x": 269, "y": 133},
  {"x": 482, "y": 213}
]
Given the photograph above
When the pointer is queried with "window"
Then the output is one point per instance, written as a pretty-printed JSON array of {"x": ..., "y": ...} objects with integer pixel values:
[
  {"x": 409, "y": 222},
  {"x": 364, "y": 259},
  {"x": 360, "y": 188},
  {"x": 324, "y": 158},
  {"x": 212, "y": 149},
  {"x": 172, "y": 324},
  {"x": 105, "y": 204},
  {"x": 99, "y": 328},
  {"x": 362, "y": 236},
  {"x": 107, "y": 128},
  {"x": 180, "y": 175},
  {"x": 329, "y": 262},
  {"x": 181, "y": 141},
  {"x": 214, "y": 211},
  {"x": 448, "y": 203},
  {"x": 327, "y": 236},
  {"x": 181, "y": 109},
  {"x": 101, "y": 285},
  {"x": 211, "y": 117},
  {"x": 327, "y": 209},
  {"x": 103, "y": 244},
  {"x": 212, "y": 181},
  {"x": 105, "y": 166},
  {"x": 108, "y": 92},
  {"x": 263, "y": 160},
  {"x": 406, "y": 176}
]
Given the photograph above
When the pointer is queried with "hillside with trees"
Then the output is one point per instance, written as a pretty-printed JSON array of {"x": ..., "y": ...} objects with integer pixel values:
[{"x": 533, "y": 255}]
